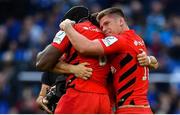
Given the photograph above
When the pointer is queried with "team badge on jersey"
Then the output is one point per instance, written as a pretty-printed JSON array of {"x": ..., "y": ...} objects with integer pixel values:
[
  {"x": 109, "y": 40},
  {"x": 59, "y": 37}
]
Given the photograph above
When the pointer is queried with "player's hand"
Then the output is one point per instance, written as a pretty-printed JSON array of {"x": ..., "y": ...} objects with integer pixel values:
[
  {"x": 143, "y": 59},
  {"x": 64, "y": 25},
  {"x": 82, "y": 71},
  {"x": 42, "y": 102}
]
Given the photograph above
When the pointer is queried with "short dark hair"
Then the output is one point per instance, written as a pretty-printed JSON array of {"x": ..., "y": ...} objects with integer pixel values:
[
  {"x": 77, "y": 13},
  {"x": 92, "y": 19},
  {"x": 112, "y": 10}
]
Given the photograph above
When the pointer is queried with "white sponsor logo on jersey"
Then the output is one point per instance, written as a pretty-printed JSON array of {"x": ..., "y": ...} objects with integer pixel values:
[
  {"x": 86, "y": 28},
  {"x": 139, "y": 43},
  {"x": 109, "y": 40},
  {"x": 59, "y": 37},
  {"x": 92, "y": 29}
]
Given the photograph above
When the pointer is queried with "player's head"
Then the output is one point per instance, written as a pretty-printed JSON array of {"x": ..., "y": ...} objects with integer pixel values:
[
  {"x": 112, "y": 21},
  {"x": 77, "y": 13},
  {"x": 92, "y": 19},
  {"x": 81, "y": 13}
]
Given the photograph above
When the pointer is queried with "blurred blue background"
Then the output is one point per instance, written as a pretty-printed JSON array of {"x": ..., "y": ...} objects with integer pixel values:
[{"x": 27, "y": 26}]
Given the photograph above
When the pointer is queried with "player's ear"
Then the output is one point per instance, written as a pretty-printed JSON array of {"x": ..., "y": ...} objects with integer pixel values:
[{"x": 121, "y": 21}]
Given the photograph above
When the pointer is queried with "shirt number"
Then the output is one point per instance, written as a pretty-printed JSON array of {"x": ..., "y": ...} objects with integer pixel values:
[{"x": 146, "y": 74}]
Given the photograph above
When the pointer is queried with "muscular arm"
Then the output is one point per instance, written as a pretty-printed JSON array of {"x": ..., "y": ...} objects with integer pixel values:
[
  {"x": 81, "y": 43},
  {"x": 62, "y": 67},
  {"x": 48, "y": 58},
  {"x": 79, "y": 70}
]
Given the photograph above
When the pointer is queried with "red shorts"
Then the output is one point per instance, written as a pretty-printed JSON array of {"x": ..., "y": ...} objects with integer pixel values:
[
  {"x": 133, "y": 110},
  {"x": 77, "y": 102}
]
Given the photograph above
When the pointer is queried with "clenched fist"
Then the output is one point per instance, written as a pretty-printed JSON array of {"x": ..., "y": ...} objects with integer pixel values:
[{"x": 66, "y": 23}]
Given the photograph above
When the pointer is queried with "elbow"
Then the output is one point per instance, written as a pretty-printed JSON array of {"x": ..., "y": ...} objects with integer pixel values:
[
  {"x": 79, "y": 48},
  {"x": 45, "y": 66},
  {"x": 40, "y": 66},
  {"x": 82, "y": 51}
]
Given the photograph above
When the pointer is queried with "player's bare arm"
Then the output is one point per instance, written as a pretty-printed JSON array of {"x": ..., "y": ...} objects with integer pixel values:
[
  {"x": 79, "y": 70},
  {"x": 80, "y": 42},
  {"x": 48, "y": 58},
  {"x": 149, "y": 61},
  {"x": 41, "y": 98}
]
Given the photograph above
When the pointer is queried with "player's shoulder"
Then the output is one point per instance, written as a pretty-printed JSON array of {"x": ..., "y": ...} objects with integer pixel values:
[
  {"x": 113, "y": 37},
  {"x": 87, "y": 26},
  {"x": 128, "y": 33},
  {"x": 125, "y": 35},
  {"x": 82, "y": 24},
  {"x": 60, "y": 35},
  {"x": 109, "y": 40}
]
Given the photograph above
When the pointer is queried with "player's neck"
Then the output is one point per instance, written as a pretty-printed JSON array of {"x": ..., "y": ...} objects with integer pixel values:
[{"x": 123, "y": 29}]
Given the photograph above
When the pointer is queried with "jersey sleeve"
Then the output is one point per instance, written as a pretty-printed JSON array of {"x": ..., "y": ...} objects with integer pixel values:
[
  {"x": 110, "y": 44},
  {"x": 60, "y": 41}
]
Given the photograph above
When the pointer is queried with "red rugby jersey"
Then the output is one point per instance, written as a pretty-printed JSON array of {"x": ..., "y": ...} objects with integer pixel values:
[
  {"x": 130, "y": 79},
  {"x": 97, "y": 82}
]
